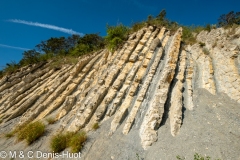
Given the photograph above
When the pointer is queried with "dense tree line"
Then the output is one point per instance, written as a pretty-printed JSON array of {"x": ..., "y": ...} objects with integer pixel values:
[
  {"x": 73, "y": 46},
  {"x": 57, "y": 48}
]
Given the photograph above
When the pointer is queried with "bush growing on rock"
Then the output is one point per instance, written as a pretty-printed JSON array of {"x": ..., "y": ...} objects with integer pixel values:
[
  {"x": 196, "y": 157},
  {"x": 77, "y": 141},
  {"x": 58, "y": 143},
  {"x": 73, "y": 140},
  {"x": 208, "y": 27},
  {"x": 116, "y": 35},
  {"x": 10, "y": 68},
  {"x": 187, "y": 36},
  {"x": 138, "y": 25},
  {"x": 95, "y": 126},
  {"x": 9, "y": 135},
  {"x": 31, "y": 132}
]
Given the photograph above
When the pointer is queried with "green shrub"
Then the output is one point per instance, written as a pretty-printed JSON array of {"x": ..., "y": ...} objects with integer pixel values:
[
  {"x": 197, "y": 29},
  {"x": 15, "y": 130},
  {"x": 9, "y": 135},
  {"x": 60, "y": 60},
  {"x": 200, "y": 157},
  {"x": 70, "y": 139},
  {"x": 80, "y": 50},
  {"x": 138, "y": 25},
  {"x": 11, "y": 67},
  {"x": 30, "y": 57},
  {"x": 187, "y": 36},
  {"x": 173, "y": 27},
  {"x": 196, "y": 157},
  {"x": 116, "y": 35},
  {"x": 138, "y": 157},
  {"x": 77, "y": 141},
  {"x": 180, "y": 157},
  {"x": 208, "y": 27},
  {"x": 95, "y": 126},
  {"x": 58, "y": 143},
  {"x": 160, "y": 20},
  {"x": 31, "y": 132},
  {"x": 45, "y": 57}
]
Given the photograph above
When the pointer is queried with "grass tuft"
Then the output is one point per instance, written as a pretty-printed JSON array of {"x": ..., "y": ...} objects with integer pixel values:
[
  {"x": 58, "y": 143},
  {"x": 95, "y": 126},
  {"x": 77, "y": 141},
  {"x": 31, "y": 132},
  {"x": 9, "y": 135},
  {"x": 196, "y": 157},
  {"x": 15, "y": 130},
  {"x": 70, "y": 139}
]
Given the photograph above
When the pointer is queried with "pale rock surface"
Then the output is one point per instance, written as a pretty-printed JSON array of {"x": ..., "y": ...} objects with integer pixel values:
[
  {"x": 175, "y": 113},
  {"x": 152, "y": 91},
  {"x": 154, "y": 114}
]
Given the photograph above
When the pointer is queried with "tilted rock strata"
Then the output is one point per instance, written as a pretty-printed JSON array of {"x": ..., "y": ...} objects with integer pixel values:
[
  {"x": 205, "y": 68},
  {"x": 155, "y": 111},
  {"x": 224, "y": 49},
  {"x": 175, "y": 113},
  {"x": 189, "y": 82},
  {"x": 133, "y": 87}
]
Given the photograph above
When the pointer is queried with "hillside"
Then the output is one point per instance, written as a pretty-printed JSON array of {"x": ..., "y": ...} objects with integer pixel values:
[{"x": 154, "y": 98}]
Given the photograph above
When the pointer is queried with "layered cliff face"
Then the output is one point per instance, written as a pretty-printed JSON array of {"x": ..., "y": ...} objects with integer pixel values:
[{"x": 132, "y": 93}]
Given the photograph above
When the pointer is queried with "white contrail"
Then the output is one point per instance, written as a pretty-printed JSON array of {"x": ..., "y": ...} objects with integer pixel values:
[
  {"x": 48, "y": 26},
  {"x": 19, "y": 48}
]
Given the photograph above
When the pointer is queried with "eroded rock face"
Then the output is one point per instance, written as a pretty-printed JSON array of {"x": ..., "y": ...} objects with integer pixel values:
[
  {"x": 155, "y": 110},
  {"x": 149, "y": 78},
  {"x": 175, "y": 113},
  {"x": 219, "y": 70}
]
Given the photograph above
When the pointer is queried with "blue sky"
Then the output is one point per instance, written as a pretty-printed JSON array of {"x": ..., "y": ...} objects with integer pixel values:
[{"x": 22, "y": 22}]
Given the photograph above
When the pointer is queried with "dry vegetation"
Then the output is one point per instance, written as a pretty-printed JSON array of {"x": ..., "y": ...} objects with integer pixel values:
[
  {"x": 73, "y": 140},
  {"x": 31, "y": 132}
]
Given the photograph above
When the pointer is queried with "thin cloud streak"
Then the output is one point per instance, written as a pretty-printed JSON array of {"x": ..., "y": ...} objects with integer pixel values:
[
  {"x": 48, "y": 26},
  {"x": 13, "y": 47}
]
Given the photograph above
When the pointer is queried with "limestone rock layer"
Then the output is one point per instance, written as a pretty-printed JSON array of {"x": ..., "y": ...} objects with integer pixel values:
[{"x": 150, "y": 78}]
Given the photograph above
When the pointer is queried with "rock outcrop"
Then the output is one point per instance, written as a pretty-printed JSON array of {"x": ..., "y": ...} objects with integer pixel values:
[
  {"x": 151, "y": 79},
  {"x": 155, "y": 110}
]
